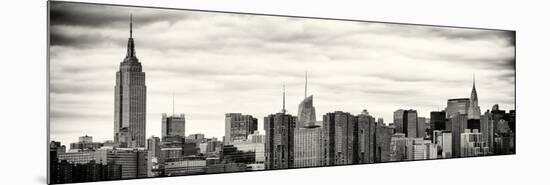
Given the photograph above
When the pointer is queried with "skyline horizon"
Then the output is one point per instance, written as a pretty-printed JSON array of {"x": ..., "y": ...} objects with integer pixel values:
[
  {"x": 261, "y": 121},
  {"x": 216, "y": 77}
]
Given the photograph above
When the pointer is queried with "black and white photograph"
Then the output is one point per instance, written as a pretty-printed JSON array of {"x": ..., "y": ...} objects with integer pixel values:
[{"x": 145, "y": 92}]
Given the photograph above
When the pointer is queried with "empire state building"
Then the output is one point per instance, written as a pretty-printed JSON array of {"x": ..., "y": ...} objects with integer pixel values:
[{"x": 130, "y": 100}]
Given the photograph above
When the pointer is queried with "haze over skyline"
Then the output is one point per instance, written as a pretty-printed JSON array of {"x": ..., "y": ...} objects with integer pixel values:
[{"x": 217, "y": 63}]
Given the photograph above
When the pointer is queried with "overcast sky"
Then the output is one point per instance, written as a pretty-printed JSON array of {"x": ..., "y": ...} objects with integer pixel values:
[{"x": 217, "y": 63}]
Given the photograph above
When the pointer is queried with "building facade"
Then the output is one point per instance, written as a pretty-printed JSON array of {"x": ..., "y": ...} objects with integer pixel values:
[
  {"x": 130, "y": 100},
  {"x": 340, "y": 145},
  {"x": 239, "y": 126},
  {"x": 366, "y": 137},
  {"x": 457, "y": 105},
  {"x": 132, "y": 162},
  {"x": 173, "y": 128},
  {"x": 458, "y": 124},
  {"x": 279, "y": 138},
  {"x": 308, "y": 147}
]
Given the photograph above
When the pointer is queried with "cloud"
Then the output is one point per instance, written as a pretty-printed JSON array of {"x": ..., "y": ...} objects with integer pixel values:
[{"x": 216, "y": 63}]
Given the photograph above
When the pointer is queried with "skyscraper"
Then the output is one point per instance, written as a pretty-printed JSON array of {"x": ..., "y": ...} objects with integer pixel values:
[
  {"x": 474, "y": 113},
  {"x": 421, "y": 127},
  {"x": 306, "y": 111},
  {"x": 437, "y": 120},
  {"x": 458, "y": 124},
  {"x": 130, "y": 100},
  {"x": 382, "y": 143},
  {"x": 410, "y": 123},
  {"x": 340, "y": 145},
  {"x": 308, "y": 143},
  {"x": 308, "y": 147},
  {"x": 398, "y": 120},
  {"x": 173, "y": 128},
  {"x": 279, "y": 139},
  {"x": 366, "y": 140},
  {"x": 406, "y": 121},
  {"x": 473, "y": 109},
  {"x": 239, "y": 126}
]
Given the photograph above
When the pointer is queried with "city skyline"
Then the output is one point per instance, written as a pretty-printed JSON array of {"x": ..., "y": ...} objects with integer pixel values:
[{"x": 198, "y": 71}]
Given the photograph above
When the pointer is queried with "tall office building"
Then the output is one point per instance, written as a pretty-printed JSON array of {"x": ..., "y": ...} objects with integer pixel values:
[
  {"x": 398, "y": 120},
  {"x": 308, "y": 146},
  {"x": 421, "y": 127},
  {"x": 130, "y": 100},
  {"x": 173, "y": 128},
  {"x": 366, "y": 132},
  {"x": 437, "y": 120},
  {"x": 406, "y": 121},
  {"x": 474, "y": 113},
  {"x": 457, "y": 105},
  {"x": 279, "y": 139},
  {"x": 239, "y": 126},
  {"x": 487, "y": 130},
  {"x": 473, "y": 109},
  {"x": 410, "y": 123},
  {"x": 306, "y": 111},
  {"x": 458, "y": 124},
  {"x": 382, "y": 143},
  {"x": 340, "y": 145}
]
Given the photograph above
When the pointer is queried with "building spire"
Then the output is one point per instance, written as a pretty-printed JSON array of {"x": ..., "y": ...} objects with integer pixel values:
[
  {"x": 173, "y": 104},
  {"x": 474, "y": 81},
  {"x": 130, "y": 25},
  {"x": 131, "y": 52},
  {"x": 305, "y": 93},
  {"x": 284, "y": 109}
]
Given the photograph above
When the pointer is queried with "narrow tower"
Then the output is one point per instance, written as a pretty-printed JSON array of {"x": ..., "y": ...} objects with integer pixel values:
[
  {"x": 130, "y": 100},
  {"x": 306, "y": 110},
  {"x": 474, "y": 111}
]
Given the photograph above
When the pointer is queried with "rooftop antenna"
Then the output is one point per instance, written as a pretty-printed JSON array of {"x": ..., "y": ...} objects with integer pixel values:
[
  {"x": 284, "y": 110},
  {"x": 173, "y": 104},
  {"x": 305, "y": 93},
  {"x": 130, "y": 25}
]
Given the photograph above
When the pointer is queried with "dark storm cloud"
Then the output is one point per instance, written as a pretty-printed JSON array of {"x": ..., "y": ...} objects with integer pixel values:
[
  {"x": 91, "y": 15},
  {"x": 59, "y": 38}
]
